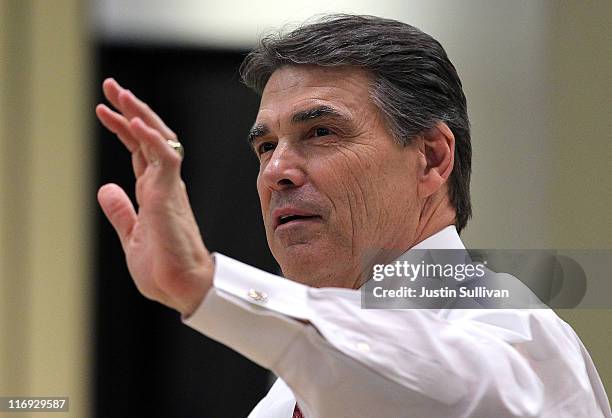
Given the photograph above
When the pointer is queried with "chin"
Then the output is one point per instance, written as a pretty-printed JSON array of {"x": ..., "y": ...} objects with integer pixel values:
[{"x": 307, "y": 265}]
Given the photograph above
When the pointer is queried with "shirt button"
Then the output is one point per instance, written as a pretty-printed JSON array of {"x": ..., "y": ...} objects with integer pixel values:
[{"x": 257, "y": 296}]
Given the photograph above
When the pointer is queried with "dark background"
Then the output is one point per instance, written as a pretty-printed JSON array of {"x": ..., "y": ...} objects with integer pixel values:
[{"x": 147, "y": 363}]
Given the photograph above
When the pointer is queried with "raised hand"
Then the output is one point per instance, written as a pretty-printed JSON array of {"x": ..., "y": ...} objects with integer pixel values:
[{"x": 162, "y": 243}]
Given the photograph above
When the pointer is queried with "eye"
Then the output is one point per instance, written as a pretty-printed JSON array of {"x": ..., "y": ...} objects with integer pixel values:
[
  {"x": 265, "y": 147},
  {"x": 322, "y": 132}
]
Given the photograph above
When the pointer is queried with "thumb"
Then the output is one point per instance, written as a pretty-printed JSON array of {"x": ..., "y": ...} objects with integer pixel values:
[{"x": 118, "y": 210}]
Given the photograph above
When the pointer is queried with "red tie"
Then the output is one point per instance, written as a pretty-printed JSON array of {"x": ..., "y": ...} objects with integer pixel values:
[{"x": 297, "y": 413}]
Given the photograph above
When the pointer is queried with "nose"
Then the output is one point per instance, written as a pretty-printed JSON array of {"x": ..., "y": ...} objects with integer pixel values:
[{"x": 284, "y": 169}]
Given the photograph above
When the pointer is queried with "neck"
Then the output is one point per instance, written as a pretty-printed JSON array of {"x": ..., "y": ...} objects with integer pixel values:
[{"x": 437, "y": 213}]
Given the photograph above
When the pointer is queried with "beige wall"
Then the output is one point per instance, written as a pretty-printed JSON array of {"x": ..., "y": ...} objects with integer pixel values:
[
  {"x": 581, "y": 100},
  {"x": 46, "y": 202},
  {"x": 581, "y": 104}
]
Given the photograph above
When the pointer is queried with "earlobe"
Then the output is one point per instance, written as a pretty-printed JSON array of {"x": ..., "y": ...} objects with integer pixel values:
[{"x": 438, "y": 148}]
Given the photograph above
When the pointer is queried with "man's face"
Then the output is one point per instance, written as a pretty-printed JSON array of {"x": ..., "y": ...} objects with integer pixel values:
[{"x": 337, "y": 192}]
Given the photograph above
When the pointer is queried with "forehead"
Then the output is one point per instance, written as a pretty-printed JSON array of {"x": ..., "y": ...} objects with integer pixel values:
[{"x": 291, "y": 88}]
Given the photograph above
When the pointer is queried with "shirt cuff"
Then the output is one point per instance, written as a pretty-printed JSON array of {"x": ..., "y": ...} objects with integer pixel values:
[{"x": 246, "y": 304}]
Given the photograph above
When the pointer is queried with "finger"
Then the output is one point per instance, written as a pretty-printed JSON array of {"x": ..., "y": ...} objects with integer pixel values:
[
  {"x": 118, "y": 125},
  {"x": 133, "y": 107},
  {"x": 157, "y": 151},
  {"x": 118, "y": 209},
  {"x": 111, "y": 90}
]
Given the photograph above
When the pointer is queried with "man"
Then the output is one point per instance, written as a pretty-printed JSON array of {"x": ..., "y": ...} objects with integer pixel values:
[{"x": 364, "y": 148}]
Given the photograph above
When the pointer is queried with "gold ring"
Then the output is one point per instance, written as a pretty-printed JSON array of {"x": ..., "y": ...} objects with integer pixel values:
[{"x": 177, "y": 146}]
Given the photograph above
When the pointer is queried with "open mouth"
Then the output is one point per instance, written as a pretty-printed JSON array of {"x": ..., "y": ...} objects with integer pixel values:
[
  {"x": 287, "y": 216},
  {"x": 294, "y": 219},
  {"x": 290, "y": 218}
]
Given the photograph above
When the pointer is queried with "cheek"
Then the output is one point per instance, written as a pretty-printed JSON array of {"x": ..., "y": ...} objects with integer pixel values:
[
  {"x": 264, "y": 197},
  {"x": 349, "y": 180},
  {"x": 364, "y": 179},
  {"x": 398, "y": 191},
  {"x": 381, "y": 190}
]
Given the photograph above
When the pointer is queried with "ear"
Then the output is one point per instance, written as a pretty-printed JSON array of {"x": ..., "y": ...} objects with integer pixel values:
[{"x": 438, "y": 148}]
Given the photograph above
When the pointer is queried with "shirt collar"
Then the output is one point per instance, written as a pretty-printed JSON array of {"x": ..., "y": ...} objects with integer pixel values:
[{"x": 447, "y": 238}]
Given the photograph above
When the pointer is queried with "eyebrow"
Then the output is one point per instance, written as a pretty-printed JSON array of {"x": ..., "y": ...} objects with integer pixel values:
[{"x": 317, "y": 112}]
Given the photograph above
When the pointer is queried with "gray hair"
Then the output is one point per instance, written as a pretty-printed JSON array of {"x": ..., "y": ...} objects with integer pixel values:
[{"x": 415, "y": 85}]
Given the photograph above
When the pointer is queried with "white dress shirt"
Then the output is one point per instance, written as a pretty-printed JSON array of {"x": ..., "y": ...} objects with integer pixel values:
[{"x": 339, "y": 360}]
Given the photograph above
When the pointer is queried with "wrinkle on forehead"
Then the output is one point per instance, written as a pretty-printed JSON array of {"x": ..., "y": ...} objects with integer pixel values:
[{"x": 292, "y": 87}]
